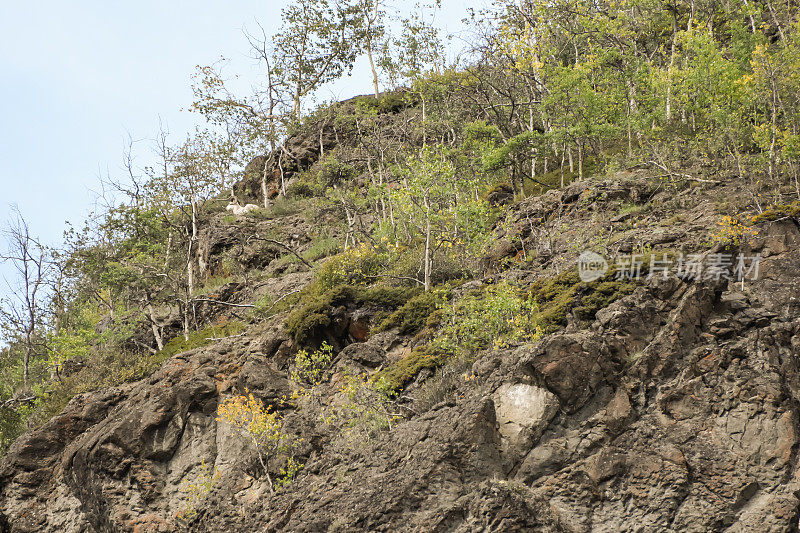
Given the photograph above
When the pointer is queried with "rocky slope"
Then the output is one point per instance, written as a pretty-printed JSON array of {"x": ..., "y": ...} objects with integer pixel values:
[{"x": 674, "y": 408}]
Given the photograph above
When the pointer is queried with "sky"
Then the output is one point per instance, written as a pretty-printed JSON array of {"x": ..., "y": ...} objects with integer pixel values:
[{"x": 78, "y": 78}]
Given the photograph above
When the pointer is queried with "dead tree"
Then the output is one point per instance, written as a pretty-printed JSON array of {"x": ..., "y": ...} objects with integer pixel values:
[{"x": 23, "y": 311}]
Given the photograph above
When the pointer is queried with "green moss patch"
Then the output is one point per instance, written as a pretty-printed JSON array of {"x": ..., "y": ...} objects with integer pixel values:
[
  {"x": 399, "y": 374},
  {"x": 779, "y": 211},
  {"x": 412, "y": 316},
  {"x": 566, "y": 293},
  {"x": 307, "y": 323}
]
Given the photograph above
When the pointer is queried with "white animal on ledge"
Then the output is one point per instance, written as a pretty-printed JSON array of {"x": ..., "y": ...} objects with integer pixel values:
[{"x": 240, "y": 210}]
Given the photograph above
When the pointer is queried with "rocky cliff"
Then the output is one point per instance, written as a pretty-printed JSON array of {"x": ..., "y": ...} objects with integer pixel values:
[{"x": 674, "y": 407}]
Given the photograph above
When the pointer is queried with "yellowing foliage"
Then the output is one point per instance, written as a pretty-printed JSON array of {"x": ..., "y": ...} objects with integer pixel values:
[
  {"x": 733, "y": 232},
  {"x": 259, "y": 424},
  {"x": 197, "y": 490}
]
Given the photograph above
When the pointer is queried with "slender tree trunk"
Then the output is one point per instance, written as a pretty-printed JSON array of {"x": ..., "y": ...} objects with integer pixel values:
[
  {"x": 156, "y": 333},
  {"x": 190, "y": 251},
  {"x": 424, "y": 117},
  {"x": 26, "y": 358},
  {"x": 630, "y": 111},
  {"x": 186, "y": 319},
  {"x": 264, "y": 191},
  {"x": 350, "y": 223},
  {"x": 533, "y": 148},
  {"x": 283, "y": 174},
  {"x": 394, "y": 225},
  {"x": 296, "y": 108},
  {"x": 427, "y": 246},
  {"x": 669, "y": 70},
  {"x": 569, "y": 156},
  {"x": 272, "y": 134},
  {"x": 752, "y": 21},
  {"x": 374, "y": 70},
  {"x": 169, "y": 249},
  {"x": 775, "y": 20}
]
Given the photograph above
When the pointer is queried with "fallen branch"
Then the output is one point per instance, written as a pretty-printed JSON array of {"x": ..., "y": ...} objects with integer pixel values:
[
  {"x": 406, "y": 278},
  {"x": 281, "y": 298},
  {"x": 284, "y": 246},
  {"x": 222, "y": 303},
  {"x": 10, "y": 403},
  {"x": 670, "y": 173},
  {"x": 144, "y": 346}
]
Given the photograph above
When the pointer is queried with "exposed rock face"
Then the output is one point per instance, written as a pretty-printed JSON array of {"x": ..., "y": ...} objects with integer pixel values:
[
  {"x": 676, "y": 409},
  {"x": 523, "y": 412},
  {"x": 115, "y": 461}
]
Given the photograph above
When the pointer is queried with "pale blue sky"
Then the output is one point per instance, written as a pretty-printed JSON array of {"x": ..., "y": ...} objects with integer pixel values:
[{"x": 77, "y": 77}]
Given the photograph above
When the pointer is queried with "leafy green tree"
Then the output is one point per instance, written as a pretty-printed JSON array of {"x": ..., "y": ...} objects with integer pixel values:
[
  {"x": 436, "y": 208},
  {"x": 251, "y": 125},
  {"x": 313, "y": 46},
  {"x": 372, "y": 32}
]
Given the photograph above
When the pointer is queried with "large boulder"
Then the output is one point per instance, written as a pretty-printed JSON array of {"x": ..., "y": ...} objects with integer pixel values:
[{"x": 523, "y": 412}]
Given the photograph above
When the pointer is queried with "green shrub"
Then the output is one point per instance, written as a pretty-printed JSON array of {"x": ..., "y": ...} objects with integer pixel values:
[
  {"x": 493, "y": 316},
  {"x": 12, "y": 425},
  {"x": 489, "y": 317},
  {"x": 444, "y": 384},
  {"x": 366, "y": 409},
  {"x": 322, "y": 247},
  {"x": 360, "y": 265},
  {"x": 334, "y": 172},
  {"x": 196, "y": 491},
  {"x": 288, "y": 473},
  {"x": 301, "y": 189},
  {"x": 393, "y": 102},
  {"x": 261, "y": 426},
  {"x": 310, "y": 368},
  {"x": 281, "y": 206}
]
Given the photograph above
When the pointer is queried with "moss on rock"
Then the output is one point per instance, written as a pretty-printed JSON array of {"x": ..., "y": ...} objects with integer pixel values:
[
  {"x": 307, "y": 323},
  {"x": 412, "y": 316},
  {"x": 400, "y": 373},
  {"x": 779, "y": 211}
]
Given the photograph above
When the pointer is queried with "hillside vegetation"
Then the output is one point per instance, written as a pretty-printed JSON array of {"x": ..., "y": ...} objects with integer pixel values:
[{"x": 410, "y": 256}]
